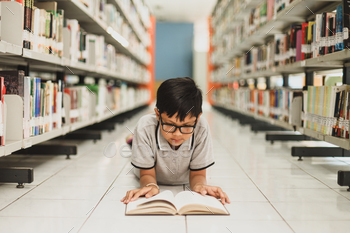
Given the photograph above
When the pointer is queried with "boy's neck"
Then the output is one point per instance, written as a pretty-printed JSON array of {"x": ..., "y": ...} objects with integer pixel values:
[{"x": 174, "y": 147}]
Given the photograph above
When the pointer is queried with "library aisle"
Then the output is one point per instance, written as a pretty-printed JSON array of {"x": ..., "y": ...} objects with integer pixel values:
[{"x": 270, "y": 191}]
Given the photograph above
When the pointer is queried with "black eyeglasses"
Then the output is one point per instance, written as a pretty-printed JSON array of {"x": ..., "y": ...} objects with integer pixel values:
[{"x": 169, "y": 128}]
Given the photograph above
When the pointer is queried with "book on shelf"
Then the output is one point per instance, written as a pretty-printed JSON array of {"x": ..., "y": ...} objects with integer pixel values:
[
  {"x": 183, "y": 203},
  {"x": 2, "y": 111},
  {"x": 324, "y": 34}
]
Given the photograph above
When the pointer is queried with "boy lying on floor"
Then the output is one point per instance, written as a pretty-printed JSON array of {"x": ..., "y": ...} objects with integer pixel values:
[{"x": 173, "y": 145}]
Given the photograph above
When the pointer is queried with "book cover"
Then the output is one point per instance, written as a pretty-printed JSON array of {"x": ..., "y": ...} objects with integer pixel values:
[
  {"x": 304, "y": 27},
  {"x": 346, "y": 24},
  {"x": 298, "y": 46},
  {"x": 2, "y": 111},
  {"x": 323, "y": 34},
  {"x": 339, "y": 29},
  {"x": 13, "y": 81}
]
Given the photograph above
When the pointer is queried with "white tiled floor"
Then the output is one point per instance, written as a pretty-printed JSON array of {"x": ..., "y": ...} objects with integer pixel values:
[{"x": 270, "y": 190}]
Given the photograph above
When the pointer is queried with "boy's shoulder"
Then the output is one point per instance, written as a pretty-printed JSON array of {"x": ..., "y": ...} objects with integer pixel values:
[{"x": 147, "y": 120}]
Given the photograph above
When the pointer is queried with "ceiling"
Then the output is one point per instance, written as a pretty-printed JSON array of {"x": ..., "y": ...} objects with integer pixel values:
[{"x": 181, "y": 10}]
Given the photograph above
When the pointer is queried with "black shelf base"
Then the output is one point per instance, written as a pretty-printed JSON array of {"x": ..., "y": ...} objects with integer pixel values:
[
  {"x": 319, "y": 152},
  {"x": 83, "y": 135},
  {"x": 50, "y": 149},
  {"x": 344, "y": 179},
  {"x": 18, "y": 175},
  {"x": 286, "y": 136}
]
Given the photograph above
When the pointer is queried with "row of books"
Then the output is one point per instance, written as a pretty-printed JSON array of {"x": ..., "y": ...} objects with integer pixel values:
[
  {"x": 250, "y": 22},
  {"x": 300, "y": 42},
  {"x": 325, "y": 109},
  {"x": 326, "y": 34},
  {"x": 132, "y": 9},
  {"x": 109, "y": 99},
  {"x": 46, "y": 30},
  {"x": 43, "y": 101},
  {"x": 275, "y": 104}
]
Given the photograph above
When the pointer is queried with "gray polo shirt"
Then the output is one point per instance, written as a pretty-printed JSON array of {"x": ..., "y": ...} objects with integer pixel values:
[{"x": 172, "y": 166}]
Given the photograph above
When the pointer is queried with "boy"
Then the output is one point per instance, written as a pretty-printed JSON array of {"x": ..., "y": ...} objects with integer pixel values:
[{"x": 173, "y": 146}]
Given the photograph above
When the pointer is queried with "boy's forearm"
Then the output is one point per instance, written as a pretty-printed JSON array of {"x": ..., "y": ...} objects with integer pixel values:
[
  {"x": 197, "y": 179},
  {"x": 146, "y": 179}
]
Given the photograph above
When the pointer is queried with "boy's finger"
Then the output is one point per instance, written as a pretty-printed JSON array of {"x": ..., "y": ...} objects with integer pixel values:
[
  {"x": 131, "y": 194},
  {"x": 227, "y": 199},
  {"x": 212, "y": 193},
  {"x": 152, "y": 192},
  {"x": 222, "y": 196},
  {"x": 142, "y": 191}
]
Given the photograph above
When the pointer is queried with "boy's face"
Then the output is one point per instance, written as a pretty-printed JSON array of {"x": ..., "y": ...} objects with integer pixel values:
[{"x": 176, "y": 138}]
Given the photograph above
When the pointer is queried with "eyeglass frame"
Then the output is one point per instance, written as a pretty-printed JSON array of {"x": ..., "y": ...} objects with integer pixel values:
[{"x": 177, "y": 127}]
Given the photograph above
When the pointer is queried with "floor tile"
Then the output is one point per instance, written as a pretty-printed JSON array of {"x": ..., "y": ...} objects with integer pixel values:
[
  {"x": 221, "y": 225},
  {"x": 49, "y": 208},
  {"x": 155, "y": 224},
  {"x": 320, "y": 226},
  {"x": 301, "y": 211},
  {"x": 40, "y": 224}
]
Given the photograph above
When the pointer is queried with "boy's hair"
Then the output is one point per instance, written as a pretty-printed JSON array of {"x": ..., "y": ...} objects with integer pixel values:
[{"x": 179, "y": 96}]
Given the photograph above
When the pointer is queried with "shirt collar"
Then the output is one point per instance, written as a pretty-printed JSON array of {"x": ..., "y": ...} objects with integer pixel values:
[{"x": 164, "y": 145}]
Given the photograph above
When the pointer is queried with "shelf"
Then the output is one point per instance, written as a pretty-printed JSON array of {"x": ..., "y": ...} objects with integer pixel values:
[
  {"x": 42, "y": 57},
  {"x": 10, "y": 49},
  {"x": 12, "y": 146},
  {"x": 49, "y": 62},
  {"x": 143, "y": 21},
  {"x": 28, "y": 142},
  {"x": 341, "y": 142},
  {"x": 215, "y": 23},
  {"x": 325, "y": 62},
  {"x": 74, "y": 9},
  {"x": 124, "y": 13},
  {"x": 297, "y": 11}
]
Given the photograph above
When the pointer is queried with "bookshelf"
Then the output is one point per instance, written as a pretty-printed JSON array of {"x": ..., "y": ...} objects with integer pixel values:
[
  {"x": 15, "y": 141},
  {"x": 12, "y": 55},
  {"x": 295, "y": 12}
]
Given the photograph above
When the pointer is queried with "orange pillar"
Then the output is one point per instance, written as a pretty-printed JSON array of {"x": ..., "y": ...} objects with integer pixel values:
[{"x": 151, "y": 50}]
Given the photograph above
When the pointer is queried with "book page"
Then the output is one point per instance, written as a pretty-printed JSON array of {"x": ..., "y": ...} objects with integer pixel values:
[
  {"x": 165, "y": 196},
  {"x": 197, "y": 203}
]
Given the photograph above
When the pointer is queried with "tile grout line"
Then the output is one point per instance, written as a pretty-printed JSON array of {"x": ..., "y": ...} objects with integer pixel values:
[
  {"x": 322, "y": 182},
  {"x": 102, "y": 197},
  {"x": 260, "y": 191},
  {"x": 186, "y": 227},
  {"x": 107, "y": 191},
  {"x": 84, "y": 154}
]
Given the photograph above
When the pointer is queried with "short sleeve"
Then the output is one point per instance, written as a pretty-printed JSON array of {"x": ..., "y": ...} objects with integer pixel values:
[
  {"x": 142, "y": 156},
  {"x": 202, "y": 156}
]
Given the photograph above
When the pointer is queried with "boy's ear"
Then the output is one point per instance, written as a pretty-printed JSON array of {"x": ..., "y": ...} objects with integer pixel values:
[
  {"x": 199, "y": 116},
  {"x": 157, "y": 113}
]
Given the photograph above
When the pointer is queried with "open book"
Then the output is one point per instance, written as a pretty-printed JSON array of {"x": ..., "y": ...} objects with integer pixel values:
[{"x": 183, "y": 203}]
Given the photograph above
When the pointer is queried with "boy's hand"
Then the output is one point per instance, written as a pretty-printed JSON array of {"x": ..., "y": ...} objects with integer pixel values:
[
  {"x": 132, "y": 195},
  {"x": 212, "y": 191}
]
